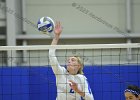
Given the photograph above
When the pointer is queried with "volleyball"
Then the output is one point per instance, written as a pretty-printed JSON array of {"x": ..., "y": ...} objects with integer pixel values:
[{"x": 45, "y": 25}]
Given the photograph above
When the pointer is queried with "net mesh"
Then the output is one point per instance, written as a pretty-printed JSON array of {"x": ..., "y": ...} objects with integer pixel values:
[{"x": 25, "y": 72}]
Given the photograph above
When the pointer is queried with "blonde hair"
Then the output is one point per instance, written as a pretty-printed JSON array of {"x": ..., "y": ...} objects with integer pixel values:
[{"x": 80, "y": 71}]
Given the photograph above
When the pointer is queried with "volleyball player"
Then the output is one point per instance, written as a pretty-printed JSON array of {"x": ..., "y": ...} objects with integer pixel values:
[
  {"x": 132, "y": 93},
  {"x": 71, "y": 83}
]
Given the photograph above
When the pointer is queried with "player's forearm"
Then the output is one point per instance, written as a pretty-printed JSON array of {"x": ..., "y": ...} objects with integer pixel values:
[
  {"x": 85, "y": 96},
  {"x": 81, "y": 93},
  {"x": 55, "y": 40},
  {"x": 54, "y": 62}
]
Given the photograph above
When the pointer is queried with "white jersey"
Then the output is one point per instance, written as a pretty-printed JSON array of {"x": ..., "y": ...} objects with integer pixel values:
[{"x": 64, "y": 91}]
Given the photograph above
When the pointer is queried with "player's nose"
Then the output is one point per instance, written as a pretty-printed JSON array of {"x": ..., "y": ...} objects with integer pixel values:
[{"x": 69, "y": 61}]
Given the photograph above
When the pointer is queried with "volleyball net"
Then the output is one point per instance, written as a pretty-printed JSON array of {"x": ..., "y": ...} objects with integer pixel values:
[{"x": 25, "y": 73}]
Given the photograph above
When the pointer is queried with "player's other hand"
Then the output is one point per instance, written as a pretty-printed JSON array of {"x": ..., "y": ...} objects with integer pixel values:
[{"x": 73, "y": 85}]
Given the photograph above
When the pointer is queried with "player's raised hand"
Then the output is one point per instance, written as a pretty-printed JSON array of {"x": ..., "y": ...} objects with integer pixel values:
[
  {"x": 57, "y": 29},
  {"x": 57, "y": 32}
]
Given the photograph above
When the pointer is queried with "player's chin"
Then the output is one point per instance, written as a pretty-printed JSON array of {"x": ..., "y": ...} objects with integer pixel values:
[{"x": 69, "y": 68}]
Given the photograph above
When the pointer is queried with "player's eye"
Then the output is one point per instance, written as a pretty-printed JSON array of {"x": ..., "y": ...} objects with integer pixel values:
[{"x": 73, "y": 59}]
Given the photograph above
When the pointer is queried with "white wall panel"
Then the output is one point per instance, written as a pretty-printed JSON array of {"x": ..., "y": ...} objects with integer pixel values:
[
  {"x": 136, "y": 16},
  {"x": 73, "y": 20}
]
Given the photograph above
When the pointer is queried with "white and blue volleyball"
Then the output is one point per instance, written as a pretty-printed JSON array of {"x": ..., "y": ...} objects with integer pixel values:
[{"x": 46, "y": 25}]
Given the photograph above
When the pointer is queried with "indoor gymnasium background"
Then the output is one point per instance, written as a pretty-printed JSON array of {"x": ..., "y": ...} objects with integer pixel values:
[{"x": 105, "y": 33}]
